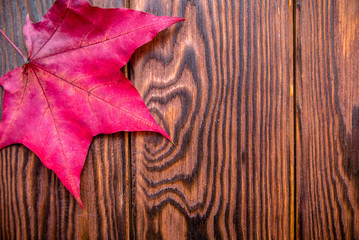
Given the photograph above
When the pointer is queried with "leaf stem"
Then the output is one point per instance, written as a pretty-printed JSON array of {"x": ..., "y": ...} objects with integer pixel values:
[{"x": 18, "y": 50}]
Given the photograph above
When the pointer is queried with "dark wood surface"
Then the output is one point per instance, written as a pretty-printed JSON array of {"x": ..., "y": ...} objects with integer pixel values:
[
  {"x": 262, "y": 101},
  {"x": 327, "y": 115},
  {"x": 220, "y": 84}
]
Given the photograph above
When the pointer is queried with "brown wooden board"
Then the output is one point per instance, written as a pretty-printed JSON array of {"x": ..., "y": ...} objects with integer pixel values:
[
  {"x": 327, "y": 116},
  {"x": 221, "y": 85},
  {"x": 33, "y": 202}
]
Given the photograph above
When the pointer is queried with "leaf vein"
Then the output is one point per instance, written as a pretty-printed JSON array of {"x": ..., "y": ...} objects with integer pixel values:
[
  {"x": 99, "y": 98},
  {"x": 99, "y": 42},
  {"x": 58, "y": 26},
  {"x": 67, "y": 167}
]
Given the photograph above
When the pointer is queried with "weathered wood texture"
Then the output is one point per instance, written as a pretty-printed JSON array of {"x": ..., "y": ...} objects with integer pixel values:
[
  {"x": 33, "y": 202},
  {"x": 327, "y": 64},
  {"x": 220, "y": 84}
]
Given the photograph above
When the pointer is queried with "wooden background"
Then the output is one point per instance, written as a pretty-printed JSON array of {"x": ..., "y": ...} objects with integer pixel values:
[{"x": 262, "y": 101}]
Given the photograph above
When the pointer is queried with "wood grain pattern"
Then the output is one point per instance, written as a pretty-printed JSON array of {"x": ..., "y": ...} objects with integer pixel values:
[
  {"x": 262, "y": 101},
  {"x": 327, "y": 119},
  {"x": 220, "y": 84},
  {"x": 33, "y": 202}
]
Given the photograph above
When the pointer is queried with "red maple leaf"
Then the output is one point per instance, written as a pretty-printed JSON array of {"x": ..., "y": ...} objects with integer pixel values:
[{"x": 71, "y": 87}]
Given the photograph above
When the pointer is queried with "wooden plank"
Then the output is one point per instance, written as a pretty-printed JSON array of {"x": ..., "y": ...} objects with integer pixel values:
[
  {"x": 221, "y": 86},
  {"x": 33, "y": 202},
  {"x": 327, "y": 141}
]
